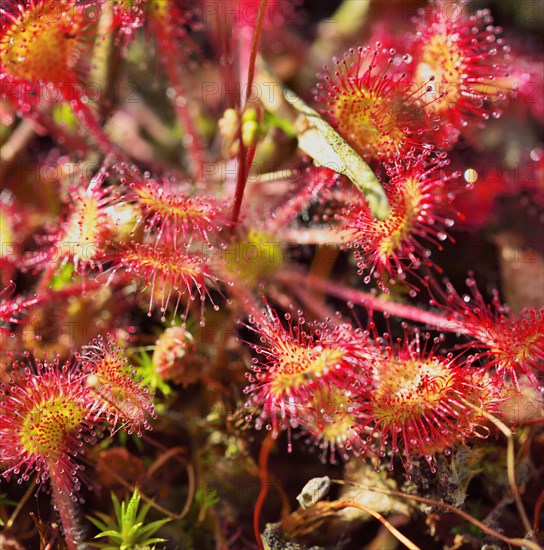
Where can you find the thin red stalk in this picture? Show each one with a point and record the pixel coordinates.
(90, 123)
(68, 514)
(311, 301)
(196, 148)
(538, 507)
(245, 158)
(264, 455)
(245, 38)
(240, 183)
(254, 48)
(389, 526)
(45, 281)
(380, 304)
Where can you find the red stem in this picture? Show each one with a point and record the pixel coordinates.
(47, 275)
(366, 299)
(68, 514)
(171, 66)
(264, 455)
(538, 507)
(88, 119)
(254, 48)
(245, 157)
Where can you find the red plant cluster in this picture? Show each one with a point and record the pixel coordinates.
(202, 231)
(359, 393)
(49, 410)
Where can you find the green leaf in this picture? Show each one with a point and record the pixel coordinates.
(112, 533)
(152, 527)
(149, 376)
(317, 138)
(272, 119)
(143, 512)
(96, 522)
(62, 278)
(127, 529)
(153, 541)
(64, 115)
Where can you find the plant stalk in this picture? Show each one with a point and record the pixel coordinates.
(264, 455)
(436, 322)
(68, 514)
(245, 156)
(181, 107)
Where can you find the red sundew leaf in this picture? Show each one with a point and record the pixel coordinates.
(465, 56)
(170, 356)
(175, 215)
(81, 238)
(119, 398)
(329, 421)
(419, 403)
(368, 106)
(41, 40)
(43, 421)
(511, 345)
(420, 195)
(168, 273)
(296, 361)
(44, 45)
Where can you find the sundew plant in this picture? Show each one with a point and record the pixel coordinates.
(272, 274)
